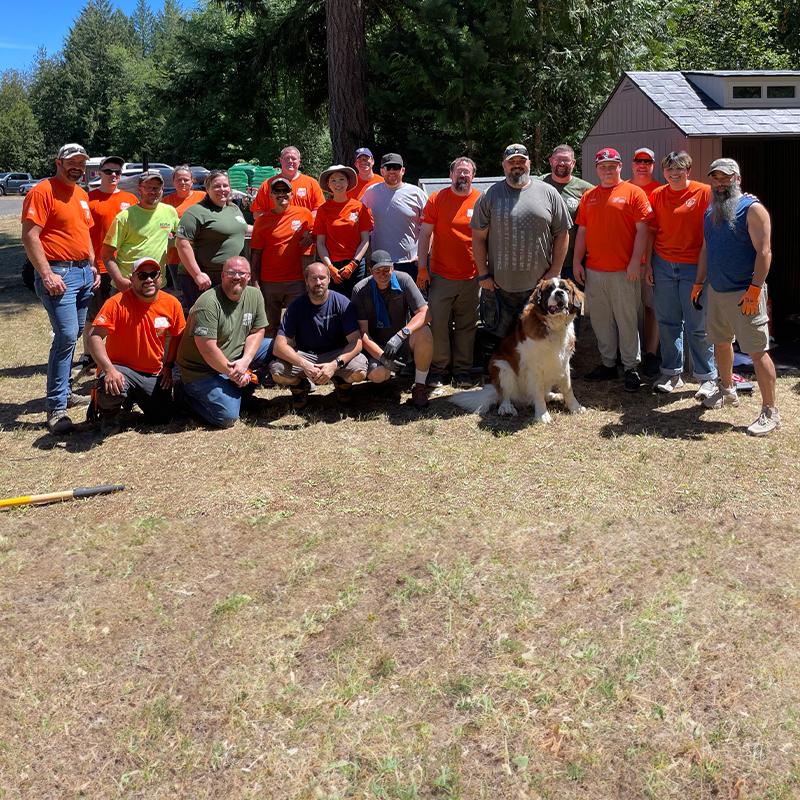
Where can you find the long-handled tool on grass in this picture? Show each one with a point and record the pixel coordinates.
(54, 497)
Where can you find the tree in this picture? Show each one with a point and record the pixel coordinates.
(21, 143)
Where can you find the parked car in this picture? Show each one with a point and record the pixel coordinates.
(11, 181)
(24, 188)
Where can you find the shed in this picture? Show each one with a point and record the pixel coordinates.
(752, 116)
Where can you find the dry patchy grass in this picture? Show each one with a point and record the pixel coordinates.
(395, 605)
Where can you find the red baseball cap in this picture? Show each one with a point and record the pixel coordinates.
(607, 154)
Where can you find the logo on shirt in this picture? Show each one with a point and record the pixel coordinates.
(354, 216)
(296, 224)
(691, 202)
(165, 226)
(469, 213)
(619, 200)
(161, 324)
(301, 192)
(247, 320)
(123, 206)
(200, 330)
(85, 207)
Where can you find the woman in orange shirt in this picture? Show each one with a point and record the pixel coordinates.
(183, 197)
(342, 230)
(677, 237)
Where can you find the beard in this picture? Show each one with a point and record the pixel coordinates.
(724, 203)
(461, 184)
(519, 179)
(562, 170)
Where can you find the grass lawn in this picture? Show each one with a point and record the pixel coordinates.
(391, 604)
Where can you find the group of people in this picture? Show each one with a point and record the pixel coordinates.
(380, 277)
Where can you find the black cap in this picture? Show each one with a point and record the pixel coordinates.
(392, 158)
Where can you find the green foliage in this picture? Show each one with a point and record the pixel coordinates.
(21, 143)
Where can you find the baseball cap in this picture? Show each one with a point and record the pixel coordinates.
(726, 165)
(392, 159)
(381, 258)
(112, 160)
(515, 150)
(644, 151)
(607, 154)
(284, 181)
(363, 151)
(145, 262)
(69, 150)
(151, 173)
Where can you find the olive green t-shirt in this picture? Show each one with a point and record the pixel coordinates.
(138, 232)
(571, 194)
(216, 316)
(216, 234)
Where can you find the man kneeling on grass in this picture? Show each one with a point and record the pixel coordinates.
(318, 341)
(127, 342)
(391, 312)
(225, 344)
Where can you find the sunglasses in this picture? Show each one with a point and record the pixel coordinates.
(111, 171)
(392, 167)
(643, 161)
(143, 276)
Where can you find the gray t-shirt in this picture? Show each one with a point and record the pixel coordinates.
(401, 305)
(522, 224)
(398, 215)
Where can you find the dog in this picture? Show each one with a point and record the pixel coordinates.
(534, 358)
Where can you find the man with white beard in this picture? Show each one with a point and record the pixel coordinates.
(732, 272)
(520, 234)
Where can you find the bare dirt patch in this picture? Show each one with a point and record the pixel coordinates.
(398, 605)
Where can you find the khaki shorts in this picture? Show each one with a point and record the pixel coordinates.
(724, 321)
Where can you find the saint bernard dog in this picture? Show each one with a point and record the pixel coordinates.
(533, 360)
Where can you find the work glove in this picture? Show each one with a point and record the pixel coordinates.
(697, 290)
(392, 364)
(347, 270)
(392, 347)
(749, 300)
(336, 276)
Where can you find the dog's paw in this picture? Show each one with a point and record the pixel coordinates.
(546, 418)
(577, 409)
(506, 409)
(553, 397)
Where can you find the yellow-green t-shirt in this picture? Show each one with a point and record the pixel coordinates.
(140, 232)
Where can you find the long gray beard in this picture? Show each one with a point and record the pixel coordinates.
(724, 209)
(519, 181)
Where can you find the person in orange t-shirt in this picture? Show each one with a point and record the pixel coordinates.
(306, 192)
(105, 202)
(342, 229)
(677, 238)
(279, 240)
(183, 198)
(644, 161)
(364, 162)
(128, 342)
(453, 293)
(55, 233)
(612, 234)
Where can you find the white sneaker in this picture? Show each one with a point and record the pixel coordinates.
(722, 397)
(668, 383)
(707, 388)
(768, 420)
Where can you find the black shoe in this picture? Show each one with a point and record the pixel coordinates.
(300, 394)
(602, 373)
(651, 365)
(437, 379)
(464, 380)
(632, 380)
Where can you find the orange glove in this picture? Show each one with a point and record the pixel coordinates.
(347, 270)
(749, 300)
(336, 276)
(697, 290)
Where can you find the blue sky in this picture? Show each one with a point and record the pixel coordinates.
(28, 24)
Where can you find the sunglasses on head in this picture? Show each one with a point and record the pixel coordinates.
(111, 171)
(143, 276)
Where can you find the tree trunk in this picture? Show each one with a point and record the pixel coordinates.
(347, 87)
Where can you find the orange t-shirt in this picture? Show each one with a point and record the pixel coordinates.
(678, 221)
(306, 193)
(451, 251)
(357, 192)
(278, 237)
(137, 330)
(342, 225)
(195, 196)
(104, 207)
(648, 188)
(610, 217)
(62, 211)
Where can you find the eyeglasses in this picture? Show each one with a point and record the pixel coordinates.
(643, 161)
(237, 275)
(111, 171)
(143, 276)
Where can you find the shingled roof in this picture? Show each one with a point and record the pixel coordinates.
(696, 114)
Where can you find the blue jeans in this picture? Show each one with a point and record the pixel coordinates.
(679, 320)
(217, 399)
(67, 313)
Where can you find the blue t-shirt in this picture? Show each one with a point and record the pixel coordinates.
(729, 251)
(319, 329)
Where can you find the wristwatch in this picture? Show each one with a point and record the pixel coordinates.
(406, 332)
(339, 362)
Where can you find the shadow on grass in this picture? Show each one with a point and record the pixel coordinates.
(25, 371)
(682, 423)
